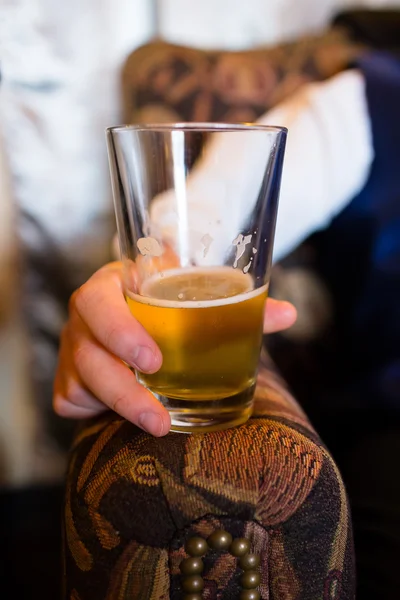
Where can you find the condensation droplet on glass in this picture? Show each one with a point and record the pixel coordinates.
(254, 250)
(240, 242)
(149, 247)
(247, 267)
(206, 240)
(180, 296)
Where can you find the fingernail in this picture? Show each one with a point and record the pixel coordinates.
(152, 423)
(144, 359)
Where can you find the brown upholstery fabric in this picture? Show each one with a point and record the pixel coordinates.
(132, 502)
(163, 82)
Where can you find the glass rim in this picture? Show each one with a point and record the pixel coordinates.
(197, 126)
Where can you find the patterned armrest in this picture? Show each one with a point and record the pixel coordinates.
(163, 82)
(133, 503)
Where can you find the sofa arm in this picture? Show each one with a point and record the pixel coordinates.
(133, 502)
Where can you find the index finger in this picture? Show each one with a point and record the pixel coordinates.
(100, 303)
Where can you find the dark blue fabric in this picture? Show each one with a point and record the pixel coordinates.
(360, 257)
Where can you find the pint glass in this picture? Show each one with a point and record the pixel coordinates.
(196, 206)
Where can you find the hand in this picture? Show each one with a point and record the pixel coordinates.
(100, 338)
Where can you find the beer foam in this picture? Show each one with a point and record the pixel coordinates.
(227, 272)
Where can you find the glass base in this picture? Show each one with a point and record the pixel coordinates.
(203, 416)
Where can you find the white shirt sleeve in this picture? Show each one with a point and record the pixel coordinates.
(328, 157)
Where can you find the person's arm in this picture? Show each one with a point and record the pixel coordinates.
(328, 156)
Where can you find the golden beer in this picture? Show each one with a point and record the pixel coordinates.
(208, 326)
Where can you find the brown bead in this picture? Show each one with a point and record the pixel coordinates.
(239, 547)
(220, 540)
(249, 595)
(193, 597)
(249, 562)
(250, 580)
(193, 584)
(196, 546)
(192, 566)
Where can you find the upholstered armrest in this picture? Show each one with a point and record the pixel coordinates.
(133, 502)
(163, 82)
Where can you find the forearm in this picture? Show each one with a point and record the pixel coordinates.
(328, 157)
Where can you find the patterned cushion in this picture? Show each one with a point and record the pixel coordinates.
(133, 501)
(163, 82)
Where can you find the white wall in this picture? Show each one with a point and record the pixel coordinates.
(238, 23)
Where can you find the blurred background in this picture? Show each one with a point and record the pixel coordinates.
(60, 66)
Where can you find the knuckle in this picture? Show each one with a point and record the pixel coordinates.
(82, 299)
(114, 267)
(119, 401)
(112, 337)
(81, 356)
